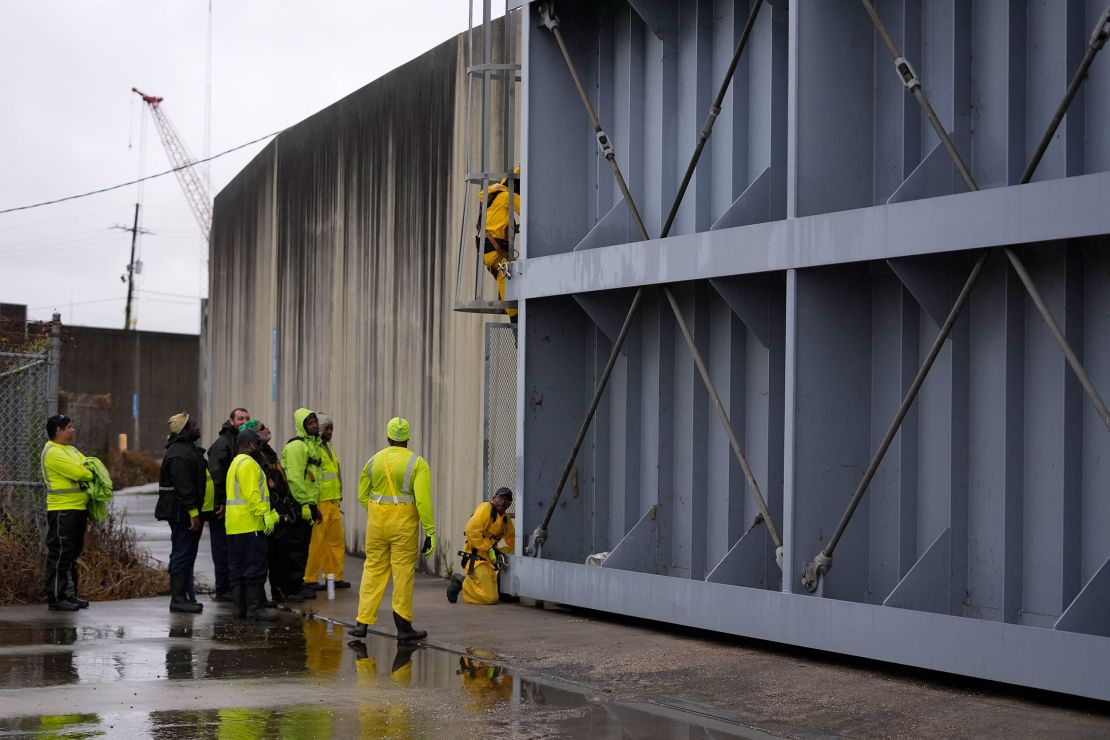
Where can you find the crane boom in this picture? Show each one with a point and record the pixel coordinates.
(182, 161)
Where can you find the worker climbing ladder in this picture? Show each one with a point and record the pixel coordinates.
(490, 156)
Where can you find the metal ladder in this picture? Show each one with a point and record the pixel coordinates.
(495, 160)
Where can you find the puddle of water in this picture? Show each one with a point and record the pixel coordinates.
(374, 687)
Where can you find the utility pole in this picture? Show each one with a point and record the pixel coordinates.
(130, 276)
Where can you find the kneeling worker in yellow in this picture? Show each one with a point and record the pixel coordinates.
(396, 489)
(248, 520)
(482, 558)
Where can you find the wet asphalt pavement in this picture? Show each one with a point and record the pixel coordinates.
(132, 669)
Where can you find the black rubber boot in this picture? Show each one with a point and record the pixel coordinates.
(307, 592)
(455, 587)
(405, 632)
(256, 597)
(81, 603)
(62, 606)
(342, 584)
(239, 598)
(224, 597)
(179, 601)
(358, 631)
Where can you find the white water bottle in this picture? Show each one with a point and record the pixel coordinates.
(331, 587)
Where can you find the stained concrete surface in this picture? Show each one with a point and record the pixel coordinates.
(132, 668)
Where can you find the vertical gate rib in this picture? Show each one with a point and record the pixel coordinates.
(822, 562)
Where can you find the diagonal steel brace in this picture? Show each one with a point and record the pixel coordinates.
(539, 536)
(822, 562)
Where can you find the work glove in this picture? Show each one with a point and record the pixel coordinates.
(429, 546)
(317, 517)
(306, 512)
(269, 521)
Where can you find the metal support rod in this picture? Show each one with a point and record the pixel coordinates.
(711, 119)
(822, 562)
(1097, 41)
(749, 476)
(539, 536)
(1058, 334)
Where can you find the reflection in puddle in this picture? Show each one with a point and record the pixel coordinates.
(325, 687)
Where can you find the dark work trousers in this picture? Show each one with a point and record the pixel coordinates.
(278, 556)
(183, 549)
(296, 545)
(65, 538)
(246, 558)
(218, 536)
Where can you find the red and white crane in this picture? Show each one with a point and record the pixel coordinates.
(196, 193)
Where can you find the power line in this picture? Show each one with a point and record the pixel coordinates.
(141, 179)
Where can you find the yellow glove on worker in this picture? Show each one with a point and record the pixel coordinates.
(269, 521)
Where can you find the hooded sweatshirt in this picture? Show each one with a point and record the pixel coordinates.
(220, 455)
(301, 459)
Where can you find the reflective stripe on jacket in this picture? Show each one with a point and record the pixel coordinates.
(331, 486)
(63, 468)
(397, 475)
(248, 497)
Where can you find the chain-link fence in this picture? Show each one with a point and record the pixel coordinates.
(500, 408)
(28, 396)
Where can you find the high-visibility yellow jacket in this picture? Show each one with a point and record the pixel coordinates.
(301, 459)
(331, 485)
(497, 210)
(397, 475)
(248, 497)
(209, 493)
(63, 469)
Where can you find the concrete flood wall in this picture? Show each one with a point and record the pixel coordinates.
(333, 265)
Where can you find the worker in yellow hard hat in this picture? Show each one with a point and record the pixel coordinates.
(495, 242)
(396, 488)
(482, 557)
(327, 551)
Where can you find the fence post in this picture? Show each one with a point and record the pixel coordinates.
(53, 363)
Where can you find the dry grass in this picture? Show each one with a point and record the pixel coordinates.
(132, 468)
(112, 566)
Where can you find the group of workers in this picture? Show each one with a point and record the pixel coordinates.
(268, 517)
(280, 518)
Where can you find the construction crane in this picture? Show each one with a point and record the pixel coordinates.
(196, 193)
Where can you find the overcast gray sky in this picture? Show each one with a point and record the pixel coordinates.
(69, 117)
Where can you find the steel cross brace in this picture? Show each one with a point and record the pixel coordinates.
(539, 536)
(822, 562)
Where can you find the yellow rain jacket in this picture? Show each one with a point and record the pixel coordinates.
(301, 459)
(497, 211)
(209, 492)
(248, 497)
(63, 470)
(331, 486)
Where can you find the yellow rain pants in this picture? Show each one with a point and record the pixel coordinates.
(327, 550)
(390, 549)
(491, 259)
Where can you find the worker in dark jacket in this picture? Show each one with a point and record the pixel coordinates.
(181, 484)
(220, 455)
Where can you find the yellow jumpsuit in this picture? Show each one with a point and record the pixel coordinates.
(497, 230)
(484, 530)
(328, 550)
(396, 488)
